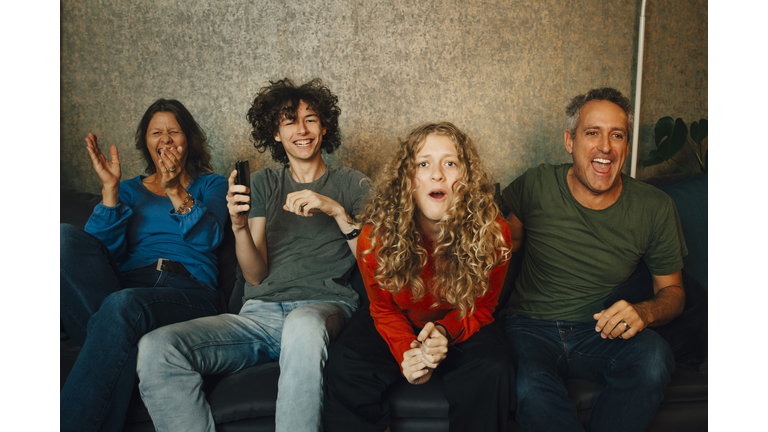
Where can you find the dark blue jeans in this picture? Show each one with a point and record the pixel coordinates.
(634, 371)
(107, 311)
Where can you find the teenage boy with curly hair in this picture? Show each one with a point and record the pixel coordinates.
(295, 244)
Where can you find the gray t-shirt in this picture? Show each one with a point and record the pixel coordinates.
(308, 257)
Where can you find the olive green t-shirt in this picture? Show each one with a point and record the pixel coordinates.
(575, 256)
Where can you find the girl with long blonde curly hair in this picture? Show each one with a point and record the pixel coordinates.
(433, 253)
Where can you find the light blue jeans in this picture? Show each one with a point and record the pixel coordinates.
(172, 359)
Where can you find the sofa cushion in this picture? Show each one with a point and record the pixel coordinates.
(425, 400)
(249, 393)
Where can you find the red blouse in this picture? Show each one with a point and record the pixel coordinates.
(398, 318)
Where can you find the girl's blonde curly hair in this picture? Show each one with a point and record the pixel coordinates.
(470, 241)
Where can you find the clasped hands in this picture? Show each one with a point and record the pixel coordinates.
(427, 351)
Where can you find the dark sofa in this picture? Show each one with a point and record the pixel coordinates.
(245, 401)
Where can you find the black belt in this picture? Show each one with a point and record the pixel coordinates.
(170, 266)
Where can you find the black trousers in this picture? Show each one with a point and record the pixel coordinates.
(477, 377)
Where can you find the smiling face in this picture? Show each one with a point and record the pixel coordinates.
(437, 168)
(164, 132)
(301, 137)
(599, 148)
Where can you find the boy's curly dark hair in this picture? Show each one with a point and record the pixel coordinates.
(281, 98)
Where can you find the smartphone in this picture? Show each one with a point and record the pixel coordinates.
(243, 175)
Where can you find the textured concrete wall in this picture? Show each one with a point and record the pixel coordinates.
(501, 70)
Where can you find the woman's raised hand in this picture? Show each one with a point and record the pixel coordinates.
(108, 170)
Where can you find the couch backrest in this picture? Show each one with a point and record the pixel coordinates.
(690, 197)
(228, 268)
(76, 206)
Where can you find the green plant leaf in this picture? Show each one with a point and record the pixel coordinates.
(699, 131)
(663, 129)
(677, 138)
(652, 159)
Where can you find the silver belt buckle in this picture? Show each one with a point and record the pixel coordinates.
(160, 264)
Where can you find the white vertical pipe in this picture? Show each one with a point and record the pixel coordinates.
(638, 90)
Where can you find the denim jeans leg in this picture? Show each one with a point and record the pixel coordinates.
(539, 358)
(172, 360)
(308, 329)
(98, 389)
(87, 275)
(634, 371)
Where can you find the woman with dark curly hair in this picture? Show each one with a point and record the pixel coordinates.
(433, 252)
(146, 259)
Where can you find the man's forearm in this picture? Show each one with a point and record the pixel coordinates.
(663, 307)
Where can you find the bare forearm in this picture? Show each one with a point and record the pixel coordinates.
(252, 262)
(177, 195)
(110, 196)
(663, 307)
(346, 226)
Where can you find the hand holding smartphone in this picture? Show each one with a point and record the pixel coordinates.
(243, 176)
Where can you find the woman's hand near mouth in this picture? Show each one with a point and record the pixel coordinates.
(172, 177)
(170, 169)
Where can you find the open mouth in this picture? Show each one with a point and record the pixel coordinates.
(303, 143)
(438, 195)
(602, 166)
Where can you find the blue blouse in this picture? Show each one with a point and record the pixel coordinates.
(144, 227)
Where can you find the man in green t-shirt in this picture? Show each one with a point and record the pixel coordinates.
(586, 227)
